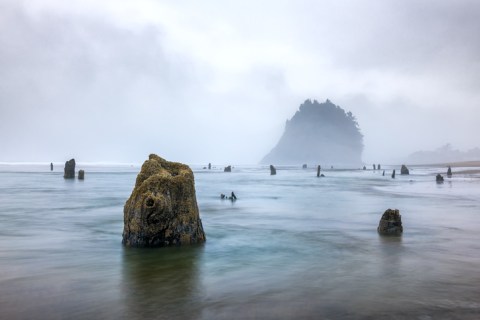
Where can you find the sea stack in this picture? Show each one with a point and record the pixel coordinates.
(304, 166)
(374, 168)
(379, 167)
(81, 174)
(393, 174)
(69, 171)
(273, 171)
(162, 209)
(209, 166)
(404, 170)
(449, 172)
(318, 133)
(318, 170)
(51, 166)
(390, 223)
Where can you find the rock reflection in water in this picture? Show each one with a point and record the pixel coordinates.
(161, 283)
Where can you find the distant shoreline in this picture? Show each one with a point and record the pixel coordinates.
(459, 164)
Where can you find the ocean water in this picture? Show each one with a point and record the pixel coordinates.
(293, 246)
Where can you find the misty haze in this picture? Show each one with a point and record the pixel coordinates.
(239, 160)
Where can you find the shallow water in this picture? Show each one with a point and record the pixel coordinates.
(292, 246)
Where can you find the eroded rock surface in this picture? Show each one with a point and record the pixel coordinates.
(162, 209)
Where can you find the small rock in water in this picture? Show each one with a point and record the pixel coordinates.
(227, 169)
(378, 167)
(209, 166)
(404, 170)
(390, 223)
(439, 178)
(273, 171)
(383, 174)
(393, 174)
(374, 167)
(449, 172)
(364, 168)
(304, 166)
(51, 166)
(81, 175)
(69, 171)
(318, 170)
(162, 209)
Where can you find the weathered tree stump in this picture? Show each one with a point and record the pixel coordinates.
(69, 171)
(390, 223)
(273, 171)
(162, 209)
(404, 170)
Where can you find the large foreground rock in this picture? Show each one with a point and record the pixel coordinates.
(162, 210)
(390, 223)
(69, 170)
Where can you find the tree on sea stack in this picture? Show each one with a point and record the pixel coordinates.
(162, 209)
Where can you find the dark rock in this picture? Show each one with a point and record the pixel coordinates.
(273, 171)
(404, 170)
(81, 175)
(318, 170)
(227, 169)
(390, 223)
(162, 209)
(69, 171)
(318, 133)
(51, 166)
(209, 166)
(449, 172)
(222, 196)
(378, 167)
(383, 174)
(233, 196)
(439, 178)
(322, 175)
(304, 166)
(374, 168)
(364, 168)
(393, 174)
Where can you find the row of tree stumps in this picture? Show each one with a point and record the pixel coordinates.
(69, 170)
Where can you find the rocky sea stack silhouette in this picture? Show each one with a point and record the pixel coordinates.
(162, 210)
(319, 133)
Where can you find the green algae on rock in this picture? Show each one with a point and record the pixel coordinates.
(162, 209)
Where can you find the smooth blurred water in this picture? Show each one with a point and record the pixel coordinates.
(293, 246)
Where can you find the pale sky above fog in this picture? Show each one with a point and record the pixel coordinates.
(214, 81)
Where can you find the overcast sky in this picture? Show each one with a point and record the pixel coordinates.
(214, 81)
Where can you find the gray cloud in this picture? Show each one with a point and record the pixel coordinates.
(200, 82)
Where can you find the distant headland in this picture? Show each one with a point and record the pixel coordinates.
(319, 133)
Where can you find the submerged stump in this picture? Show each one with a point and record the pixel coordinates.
(390, 223)
(162, 209)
